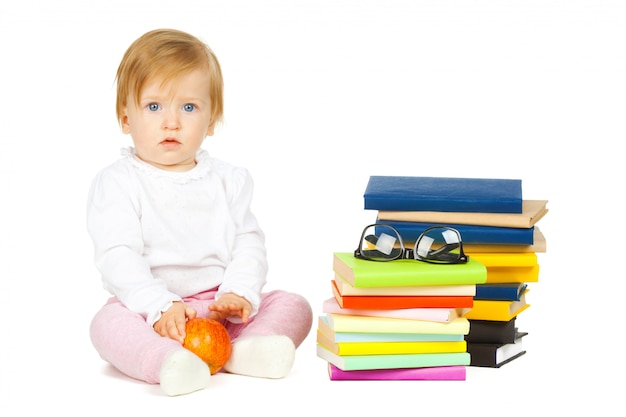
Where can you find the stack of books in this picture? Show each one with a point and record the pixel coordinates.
(498, 229)
(397, 320)
(494, 339)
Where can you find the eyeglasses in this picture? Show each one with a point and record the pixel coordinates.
(437, 245)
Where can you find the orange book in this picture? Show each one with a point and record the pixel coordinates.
(375, 302)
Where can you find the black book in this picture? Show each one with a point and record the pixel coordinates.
(494, 355)
(490, 331)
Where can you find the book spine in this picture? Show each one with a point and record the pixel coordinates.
(507, 275)
(406, 272)
(324, 327)
(504, 294)
(499, 292)
(471, 234)
(445, 194)
(428, 314)
(392, 348)
(345, 288)
(488, 331)
(382, 303)
(362, 324)
(486, 355)
(507, 260)
(417, 360)
(437, 373)
(477, 219)
(492, 312)
(405, 203)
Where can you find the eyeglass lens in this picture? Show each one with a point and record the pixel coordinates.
(381, 243)
(438, 244)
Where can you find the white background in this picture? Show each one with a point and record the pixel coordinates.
(319, 96)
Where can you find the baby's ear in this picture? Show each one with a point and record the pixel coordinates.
(211, 129)
(124, 122)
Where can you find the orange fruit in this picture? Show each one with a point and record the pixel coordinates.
(210, 340)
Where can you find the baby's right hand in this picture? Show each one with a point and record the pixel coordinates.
(173, 321)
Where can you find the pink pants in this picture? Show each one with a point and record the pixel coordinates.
(129, 343)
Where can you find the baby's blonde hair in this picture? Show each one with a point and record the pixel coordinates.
(167, 53)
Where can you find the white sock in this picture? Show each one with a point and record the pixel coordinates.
(183, 372)
(262, 356)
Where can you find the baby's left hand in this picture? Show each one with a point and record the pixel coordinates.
(230, 305)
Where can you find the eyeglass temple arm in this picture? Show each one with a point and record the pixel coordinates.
(446, 248)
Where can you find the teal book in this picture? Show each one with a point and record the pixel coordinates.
(447, 194)
(406, 272)
(393, 361)
(470, 233)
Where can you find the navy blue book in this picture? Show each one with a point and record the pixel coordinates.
(468, 195)
(470, 234)
(500, 291)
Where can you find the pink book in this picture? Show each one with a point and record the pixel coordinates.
(437, 373)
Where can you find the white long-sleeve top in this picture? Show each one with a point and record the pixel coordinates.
(159, 235)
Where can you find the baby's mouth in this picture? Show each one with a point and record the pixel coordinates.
(170, 141)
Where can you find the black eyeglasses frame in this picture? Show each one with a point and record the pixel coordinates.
(408, 253)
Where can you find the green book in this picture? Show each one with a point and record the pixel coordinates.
(406, 272)
(413, 360)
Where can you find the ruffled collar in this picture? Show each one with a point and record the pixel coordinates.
(203, 165)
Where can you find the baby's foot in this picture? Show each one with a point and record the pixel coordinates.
(262, 356)
(183, 372)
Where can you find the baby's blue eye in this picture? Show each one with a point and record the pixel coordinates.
(189, 107)
(153, 107)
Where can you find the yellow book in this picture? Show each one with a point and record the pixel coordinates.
(509, 267)
(496, 310)
(369, 324)
(513, 274)
(334, 336)
(492, 259)
(388, 348)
